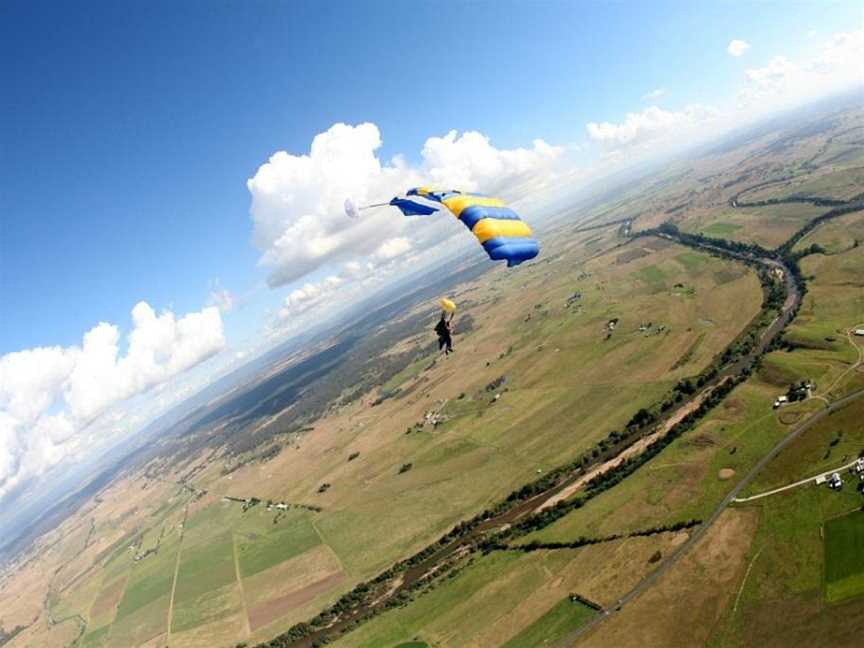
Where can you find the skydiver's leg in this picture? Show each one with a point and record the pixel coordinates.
(441, 342)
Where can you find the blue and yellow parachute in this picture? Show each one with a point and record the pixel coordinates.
(500, 231)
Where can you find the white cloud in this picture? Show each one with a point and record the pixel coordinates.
(48, 395)
(738, 47)
(309, 296)
(650, 124)
(783, 82)
(780, 83)
(654, 94)
(392, 248)
(297, 200)
(773, 78)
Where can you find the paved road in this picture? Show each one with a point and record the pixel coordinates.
(679, 553)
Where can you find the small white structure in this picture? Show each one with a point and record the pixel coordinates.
(859, 331)
(781, 400)
(821, 479)
(282, 506)
(835, 482)
(859, 466)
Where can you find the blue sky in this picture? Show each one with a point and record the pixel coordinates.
(129, 130)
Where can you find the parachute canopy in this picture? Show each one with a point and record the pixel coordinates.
(500, 231)
(351, 209)
(447, 305)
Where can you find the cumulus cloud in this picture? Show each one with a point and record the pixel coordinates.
(648, 125)
(309, 296)
(49, 395)
(783, 81)
(297, 200)
(654, 94)
(738, 47)
(392, 248)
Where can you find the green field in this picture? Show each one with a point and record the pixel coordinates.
(653, 277)
(721, 230)
(96, 638)
(485, 604)
(258, 552)
(844, 557)
(212, 605)
(141, 625)
(692, 261)
(768, 226)
(553, 626)
(205, 566)
(150, 580)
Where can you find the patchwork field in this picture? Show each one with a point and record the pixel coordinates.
(549, 360)
(252, 574)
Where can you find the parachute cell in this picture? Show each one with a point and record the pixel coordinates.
(447, 305)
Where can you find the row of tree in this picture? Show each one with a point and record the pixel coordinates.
(584, 541)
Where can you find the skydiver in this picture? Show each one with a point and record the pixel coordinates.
(444, 329)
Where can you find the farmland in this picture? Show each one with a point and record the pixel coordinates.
(541, 377)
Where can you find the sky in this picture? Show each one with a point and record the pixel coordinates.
(172, 174)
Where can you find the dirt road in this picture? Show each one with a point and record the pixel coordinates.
(801, 482)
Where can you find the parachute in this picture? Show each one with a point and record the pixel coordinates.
(446, 305)
(351, 209)
(503, 235)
